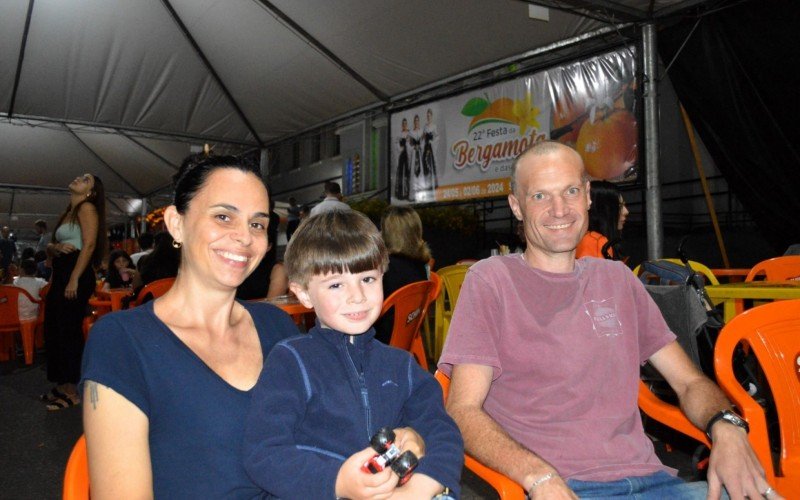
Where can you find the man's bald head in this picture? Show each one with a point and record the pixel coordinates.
(542, 148)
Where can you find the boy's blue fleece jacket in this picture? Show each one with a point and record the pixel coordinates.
(321, 397)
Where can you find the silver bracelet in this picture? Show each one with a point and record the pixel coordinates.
(538, 482)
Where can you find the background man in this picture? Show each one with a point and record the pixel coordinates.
(40, 226)
(332, 200)
(544, 353)
(8, 252)
(145, 241)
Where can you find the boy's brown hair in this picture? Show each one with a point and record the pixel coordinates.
(334, 242)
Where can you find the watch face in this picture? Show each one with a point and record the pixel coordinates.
(734, 419)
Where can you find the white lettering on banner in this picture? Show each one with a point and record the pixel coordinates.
(467, 154)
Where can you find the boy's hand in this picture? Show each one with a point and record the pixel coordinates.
(418, 487)
(352, 482)
(407, 439)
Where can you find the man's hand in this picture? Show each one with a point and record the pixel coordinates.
(352, 482)
(733, 464)
(407, 439)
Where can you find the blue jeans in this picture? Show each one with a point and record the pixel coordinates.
(655, 486)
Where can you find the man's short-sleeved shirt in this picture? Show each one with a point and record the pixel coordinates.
(565, 351)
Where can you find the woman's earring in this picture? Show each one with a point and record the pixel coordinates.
(176, 244)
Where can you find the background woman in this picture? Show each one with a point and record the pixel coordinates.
(607, 216)
(401, 229)
(79, 242)
(168, 383)
(121, 272)
(402, 180)
(429, 134)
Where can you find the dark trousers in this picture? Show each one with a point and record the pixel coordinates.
(63, 321)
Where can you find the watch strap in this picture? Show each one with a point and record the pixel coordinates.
(729, 417)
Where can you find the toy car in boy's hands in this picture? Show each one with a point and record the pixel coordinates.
(403, 464)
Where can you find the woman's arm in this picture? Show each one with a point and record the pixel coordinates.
(117, 442)
(278, 281)
(87, 217)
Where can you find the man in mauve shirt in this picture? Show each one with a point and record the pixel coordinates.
(544, 354)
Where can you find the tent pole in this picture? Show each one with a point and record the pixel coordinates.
(655, 230)
(703, 182)
(143, 223)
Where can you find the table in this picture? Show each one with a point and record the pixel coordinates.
(115, 296)
(293, 308)
(729, 293)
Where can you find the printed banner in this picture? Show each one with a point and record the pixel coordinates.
(462, 147)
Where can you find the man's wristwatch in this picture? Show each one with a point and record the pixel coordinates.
(729, 417)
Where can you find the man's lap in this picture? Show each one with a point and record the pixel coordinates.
(655, 486)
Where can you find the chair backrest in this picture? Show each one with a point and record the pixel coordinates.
(42, 302)
(453, 277)
(772, 333)
(467, 262)
(9, 306)
(505, 487)
(154, 289)
(76, 476)
(696, 266)
(436, 289)
(777, 269)
(410, 304)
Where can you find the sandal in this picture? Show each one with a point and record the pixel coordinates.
(62, 403)
(51, 396)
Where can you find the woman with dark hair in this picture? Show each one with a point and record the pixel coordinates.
(401, 229)
(607, 215)
(79, 243)
(162, 262)
(170, 381)
(121, 272)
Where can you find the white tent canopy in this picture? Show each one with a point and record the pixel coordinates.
(123, 88)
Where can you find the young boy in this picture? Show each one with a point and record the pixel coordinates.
(33, 285)
(323, 395)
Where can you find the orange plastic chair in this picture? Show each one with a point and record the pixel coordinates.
(410, 304)
(772, 333)
(427, 329)
(11, 323)
(776, 269)
(155, 289)
(505, 487)
(76, 476)
(452, 278)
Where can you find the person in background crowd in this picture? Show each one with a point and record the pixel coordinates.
(40, 226)
(162, 262)
(401, 229)
(79, 243)
(33, 285)
(607, 214)
(145, 241)
(44, 264)
(304, 212)
(544, 352)
(170, 381)
(292, 218)
(121, 272)
(332, 200)
(8, 253)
